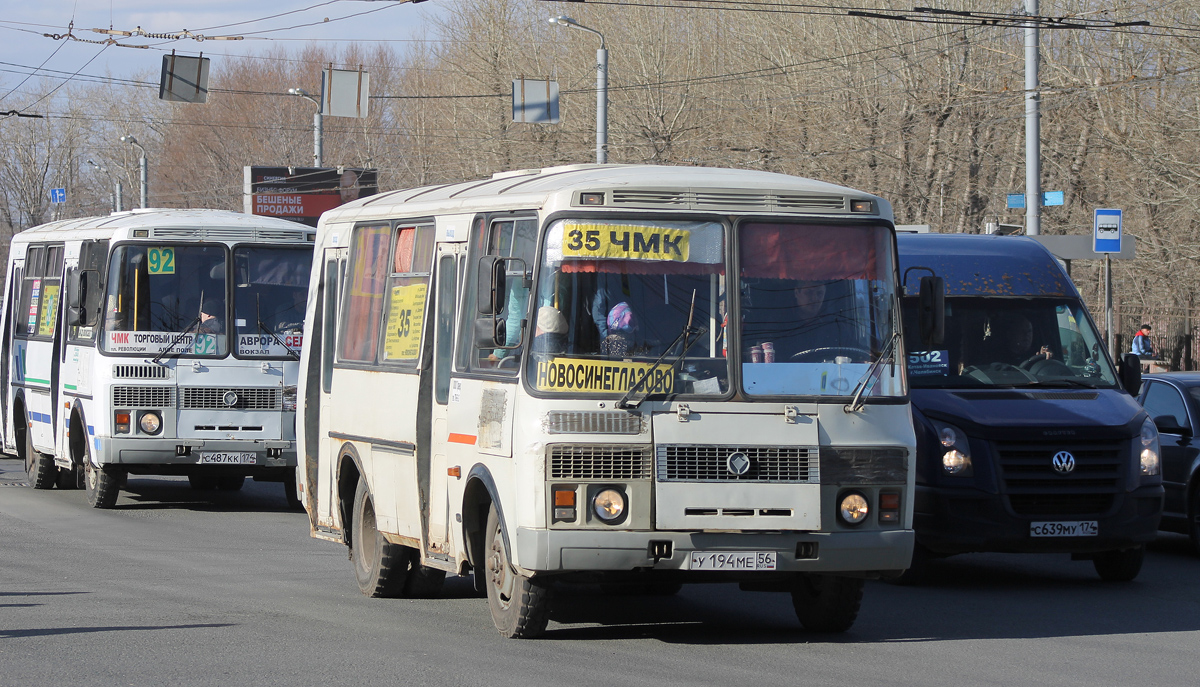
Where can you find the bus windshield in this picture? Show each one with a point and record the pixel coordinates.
(1009, 342)
(269, 294)
(166, 297)
(817, 310)
(614, 295)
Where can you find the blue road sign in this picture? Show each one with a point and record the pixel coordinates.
(1017, 200)
(58, 195)
(1106, 231)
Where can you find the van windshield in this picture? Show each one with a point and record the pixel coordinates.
(1008, 342)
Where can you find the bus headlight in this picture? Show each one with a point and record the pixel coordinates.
(853, 508)
(1148, 445)
(955, 449)
(150, 422)
(609, 505)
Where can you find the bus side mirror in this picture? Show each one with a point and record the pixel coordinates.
(490, 286)
(932, 311)
(490, 333)
(1129, 369)
(82, 288)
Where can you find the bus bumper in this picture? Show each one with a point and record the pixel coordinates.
(542, 550)
(270, 453)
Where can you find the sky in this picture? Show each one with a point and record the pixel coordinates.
(263, 26)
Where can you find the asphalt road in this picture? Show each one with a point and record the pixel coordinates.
(175, 587)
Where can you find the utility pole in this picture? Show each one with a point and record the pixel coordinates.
(1033, 149)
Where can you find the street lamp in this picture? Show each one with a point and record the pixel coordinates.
(601, 86)
(117, 190)
(127, 138)
(317, 124)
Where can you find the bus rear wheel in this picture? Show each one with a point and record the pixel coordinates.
(40, 468)
(380, 566)
(103, 485)
(825, 603)
(520, 605)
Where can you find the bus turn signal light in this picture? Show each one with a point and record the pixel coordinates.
(564, 504)
(889, 507)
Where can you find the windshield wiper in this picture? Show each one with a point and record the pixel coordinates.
(263, 327)
(1060, 383)
(856, 404)
(177, 339)
(688, 330)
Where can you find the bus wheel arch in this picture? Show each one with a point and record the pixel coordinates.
(20, 424)
(349, 472)
(478, 496)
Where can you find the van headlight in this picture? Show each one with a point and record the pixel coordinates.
(955, 449)
(1147, 444)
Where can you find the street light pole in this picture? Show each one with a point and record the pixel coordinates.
(601, 86)
(117, 190)
(143, 169)
(318, 124)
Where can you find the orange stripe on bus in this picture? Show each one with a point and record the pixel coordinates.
(461, 438)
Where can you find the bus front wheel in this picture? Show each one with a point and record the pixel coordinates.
(103, 485)
(380, 566)
(520, 605)
(825, 603)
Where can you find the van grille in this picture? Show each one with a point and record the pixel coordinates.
(1035, 488)
(777, 464)
(599, 462)
(213, 398)
(143, 396)
(141, 372)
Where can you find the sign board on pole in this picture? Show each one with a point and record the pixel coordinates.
(535, 101)
(58, 195)
(301, 194)
(345, 92)
(183, 79)
(1106, 231)
(1049, 198)
(1016, 200)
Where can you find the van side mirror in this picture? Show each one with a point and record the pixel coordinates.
(1129, 369)
(1168, 424)
(932, 319)
(490, 285)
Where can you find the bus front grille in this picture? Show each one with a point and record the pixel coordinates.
(772, 464)
(230, 398)
(141, 372)
(143, 396)
(599, 462)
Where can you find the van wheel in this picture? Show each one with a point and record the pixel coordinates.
(380, 566)
(520, 605)
(103, 485)
(231, 482)
(825, 603)
(40, 468)
(1119, 566)
(1193, 516)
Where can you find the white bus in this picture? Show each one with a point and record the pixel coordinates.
(626, 375)
(161, 342)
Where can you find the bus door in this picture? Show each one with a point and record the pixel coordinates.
(10, 369)
(433, 429)
(320, 477)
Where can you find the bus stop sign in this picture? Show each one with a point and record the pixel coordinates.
(1106, 232)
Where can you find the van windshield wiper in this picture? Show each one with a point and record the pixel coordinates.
(688, 330)
(176, 340)
(1066, 381)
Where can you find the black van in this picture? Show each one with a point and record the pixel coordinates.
(1028, 439)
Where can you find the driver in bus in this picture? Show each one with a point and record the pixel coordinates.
(811, 329)
(210, 312)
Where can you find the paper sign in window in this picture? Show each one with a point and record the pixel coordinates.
(405, 316)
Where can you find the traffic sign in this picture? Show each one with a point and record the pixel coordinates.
(58, 195)
(1017, 200)
(1106, 231)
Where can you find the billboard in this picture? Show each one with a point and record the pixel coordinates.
(301, 194)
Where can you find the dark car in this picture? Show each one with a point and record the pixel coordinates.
(1173, 401)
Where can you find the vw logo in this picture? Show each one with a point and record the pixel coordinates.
(1064, 462)
(738, 463)
(230, 398)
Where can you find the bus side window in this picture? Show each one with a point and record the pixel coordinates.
(31, 292)
(509, 238)
(446, 286)
(329, 322)
(408, 286)
(363, 310)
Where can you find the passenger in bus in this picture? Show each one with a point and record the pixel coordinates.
(550, 335)
(621, 325)
(210, 313)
